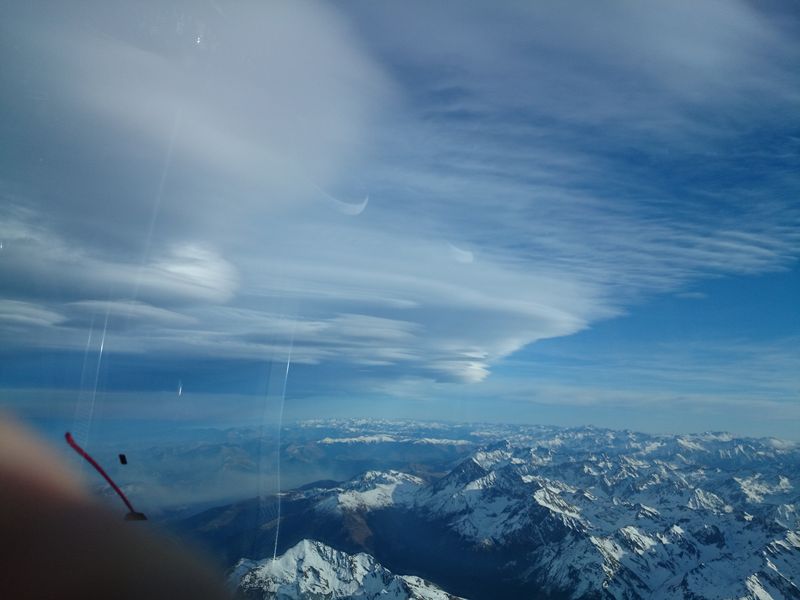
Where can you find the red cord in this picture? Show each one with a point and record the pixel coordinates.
(100, 470)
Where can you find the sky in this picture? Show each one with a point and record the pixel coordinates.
(563, 213)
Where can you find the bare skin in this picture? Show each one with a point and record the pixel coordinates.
(56, 542)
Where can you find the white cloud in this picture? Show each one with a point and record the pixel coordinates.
(37, 258)
(131, 312)
(15, 314)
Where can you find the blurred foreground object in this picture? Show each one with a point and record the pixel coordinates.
(133, 514)
(59, 543)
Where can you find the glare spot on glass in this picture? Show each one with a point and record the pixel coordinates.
(346, 208)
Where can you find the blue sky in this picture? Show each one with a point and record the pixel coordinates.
(558, 213)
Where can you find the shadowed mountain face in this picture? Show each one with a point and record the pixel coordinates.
(579, 513)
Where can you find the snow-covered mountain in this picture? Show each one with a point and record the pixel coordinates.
(620, 514)
(555, 513)
(311, 570)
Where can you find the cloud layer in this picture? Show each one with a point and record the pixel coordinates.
(195, 176)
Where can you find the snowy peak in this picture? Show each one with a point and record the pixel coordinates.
(373, 490)
(311, 569)
(468, 471)
(702, 500)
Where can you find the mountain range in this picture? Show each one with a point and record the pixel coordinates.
(551, 513)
